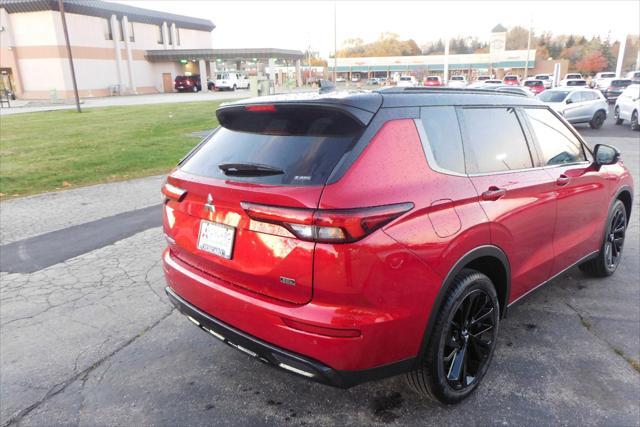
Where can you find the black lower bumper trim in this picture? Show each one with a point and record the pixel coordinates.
(280, 358)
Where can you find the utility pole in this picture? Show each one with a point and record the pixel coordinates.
(69, 55)
(446, 60)
(526, 64)
(335, 42)
(623, 44)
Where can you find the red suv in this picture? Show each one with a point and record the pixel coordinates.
(350, 237)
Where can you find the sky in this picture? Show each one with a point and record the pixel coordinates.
(300, 24)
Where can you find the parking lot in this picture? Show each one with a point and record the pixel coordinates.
(89, 338)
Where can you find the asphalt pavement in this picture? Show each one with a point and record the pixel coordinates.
(87, 336)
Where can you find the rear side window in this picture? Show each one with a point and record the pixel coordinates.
(301, 144)
(443, 137)
(557, 144)
(494, 141)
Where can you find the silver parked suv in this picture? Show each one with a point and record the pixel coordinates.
(577, 105)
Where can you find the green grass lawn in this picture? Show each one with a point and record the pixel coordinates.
(63, 149)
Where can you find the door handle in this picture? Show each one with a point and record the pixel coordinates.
(493, 193)
(563, 180)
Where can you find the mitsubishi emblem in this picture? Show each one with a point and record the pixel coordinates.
(209, 207)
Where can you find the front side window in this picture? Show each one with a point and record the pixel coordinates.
(557, 144)
(443, 137)
(494, 141)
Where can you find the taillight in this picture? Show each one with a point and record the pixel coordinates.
(327, 226)
(172, 192)
(261, 108)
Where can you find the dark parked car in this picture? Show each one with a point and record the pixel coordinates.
(616, 87)
(347, 237)
(188, 83)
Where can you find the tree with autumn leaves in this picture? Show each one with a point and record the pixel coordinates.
(584, 55)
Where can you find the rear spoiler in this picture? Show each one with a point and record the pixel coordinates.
(359, 114)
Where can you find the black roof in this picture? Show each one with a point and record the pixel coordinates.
(105, 9)
(397, 97)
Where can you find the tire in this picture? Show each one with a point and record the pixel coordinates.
(249, 86)
(634, 121)
(598, 120)
(234, 88)
(608, 258)
(435, 377)
(616, 115)
(195, 89)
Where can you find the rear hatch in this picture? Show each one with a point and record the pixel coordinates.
(268, 154)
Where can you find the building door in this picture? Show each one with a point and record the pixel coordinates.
(167, 82)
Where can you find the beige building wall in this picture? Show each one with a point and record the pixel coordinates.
(33, 47)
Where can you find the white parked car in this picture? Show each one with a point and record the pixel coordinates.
(577, 105)
(458, 81)
(633, 75)
(407, 81)
(231, 81)
(628, 106)
(602, 81)
(570, 76)
(340, 80)
(484, 83)
(547, 79)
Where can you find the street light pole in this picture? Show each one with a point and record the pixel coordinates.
(69, 55)
(526, 64)
(335, 41)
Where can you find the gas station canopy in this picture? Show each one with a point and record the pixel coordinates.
(165, 55)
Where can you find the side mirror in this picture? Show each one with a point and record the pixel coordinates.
(605, 155)
(568, 101)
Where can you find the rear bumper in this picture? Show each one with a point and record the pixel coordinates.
(280, 358)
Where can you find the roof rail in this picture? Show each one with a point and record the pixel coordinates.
(450, 90)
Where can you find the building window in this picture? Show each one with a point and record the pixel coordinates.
(121, 30)
(132, 35)
(160, 34)
(177, 36)
(106, 26)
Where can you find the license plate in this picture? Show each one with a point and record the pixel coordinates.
(216, 238)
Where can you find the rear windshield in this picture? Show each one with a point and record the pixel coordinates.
(222, 76)
(576, 83)
(405, 79)
(620, 83)
(553, 95)
(433, 79)
(484, 78)
(511, 78)
(542, 77)
(305, 144)
(574, 76)
(532, 83)
(607, 75)
(457, 78)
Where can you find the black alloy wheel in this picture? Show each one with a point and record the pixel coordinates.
(606, 262)
(615, 240)
(469, 339)
(462, 342)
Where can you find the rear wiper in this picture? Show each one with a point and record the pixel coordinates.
(249, 169)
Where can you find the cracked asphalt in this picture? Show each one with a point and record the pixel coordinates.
(94, 341)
